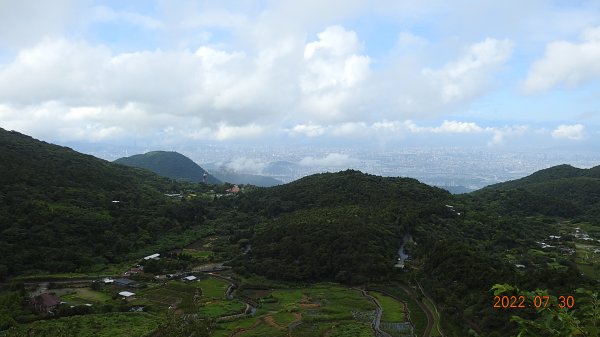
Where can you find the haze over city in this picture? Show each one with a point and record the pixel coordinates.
(487, 92)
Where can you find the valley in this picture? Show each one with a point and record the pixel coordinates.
(332, 254)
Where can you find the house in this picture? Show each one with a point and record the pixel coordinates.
(189, 278)
(234, 189)
(126, 294)
(567, 251)
(45, 303)
(124, 282)
(133, 271)
(152, 257)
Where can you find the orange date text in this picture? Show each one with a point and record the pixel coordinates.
(538, 302)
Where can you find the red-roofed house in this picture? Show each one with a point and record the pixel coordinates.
(45, 303)
(234, 189)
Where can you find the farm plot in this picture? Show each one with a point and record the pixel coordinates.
(174, 294)
(320, 310)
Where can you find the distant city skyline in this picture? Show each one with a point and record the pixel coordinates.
(469, 167)
(499, 75)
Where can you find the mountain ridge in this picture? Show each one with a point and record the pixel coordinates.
(169, 164)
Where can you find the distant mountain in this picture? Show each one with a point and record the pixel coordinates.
(169, 164)
(456, 189)
(242, 178)
(62, 211)
(281, 169)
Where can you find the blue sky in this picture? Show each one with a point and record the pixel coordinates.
(486, 73)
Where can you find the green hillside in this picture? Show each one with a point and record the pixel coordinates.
(63, 211)
(564, 188)
(170, 165)
(343, 226)
(548, 175)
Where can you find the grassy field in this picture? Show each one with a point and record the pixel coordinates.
(213, 288)
(203, 255)
(173, 293)
(320, 310)
(100, 325)
(225, 329)
(218, 308)
(393, 311)
(85, 295)
(417, 316)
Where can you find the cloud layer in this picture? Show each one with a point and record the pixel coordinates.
(238, 71)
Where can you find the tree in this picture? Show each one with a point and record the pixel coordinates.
(547, 319)
(185, 326)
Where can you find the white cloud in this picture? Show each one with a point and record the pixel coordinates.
(457, 127)
(25, 22)
(246, 165)
(350, 129)
(232, 132)
(332, 69)
(333, 41)
(309, 130)
(572, 132)
(263, 75)
(107, 14)
(500, 134)
(445, 127)
(330, 160)
(465, 78)
(566, 62)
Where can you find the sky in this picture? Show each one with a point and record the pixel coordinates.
(495, 74)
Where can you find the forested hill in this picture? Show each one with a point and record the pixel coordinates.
(169, 164)
(344, 226)
(549, 175)
(564, 187)
(344, 188)
(62, 211)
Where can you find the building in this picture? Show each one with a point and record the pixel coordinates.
(126, 294)
(234, 189)
(45, 303)
(124, 282)
(189, 278)
(152, 257)
(133, 271)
